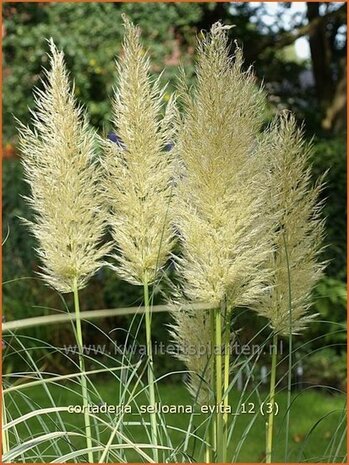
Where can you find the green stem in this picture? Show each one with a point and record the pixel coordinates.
(270, 422)
(289, 374)
(150, 369)
(289, 391)
(213, 386)
(219, 421)
(79, 340)
(5, 438)
(208, 457)
(226, 384)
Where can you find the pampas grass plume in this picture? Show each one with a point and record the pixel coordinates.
(58, 159)
(300, 228)
(138, 172)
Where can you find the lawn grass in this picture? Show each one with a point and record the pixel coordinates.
(314, 435)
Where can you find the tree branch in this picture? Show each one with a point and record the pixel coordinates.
(289, 38)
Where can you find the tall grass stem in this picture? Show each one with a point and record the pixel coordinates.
(226, 384)
(290, 348)
(208, 457)
(213, 386)
(270, 421)
(79, 339)
(150, 369)
(219, 369)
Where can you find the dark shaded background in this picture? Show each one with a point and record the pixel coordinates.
(90, 35)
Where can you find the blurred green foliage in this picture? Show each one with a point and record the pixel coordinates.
(329, 155)
(90, 35)
(328, 367)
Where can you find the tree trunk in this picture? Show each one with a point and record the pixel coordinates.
(320, 55)
(336, 113)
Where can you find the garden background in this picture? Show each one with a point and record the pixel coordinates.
(312, 85)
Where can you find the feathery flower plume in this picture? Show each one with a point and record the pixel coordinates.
(139, 171)
(299, 229)
(217, 205)
(58, 159)
(193, 332)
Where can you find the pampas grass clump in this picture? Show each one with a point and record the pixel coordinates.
(241, 203)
